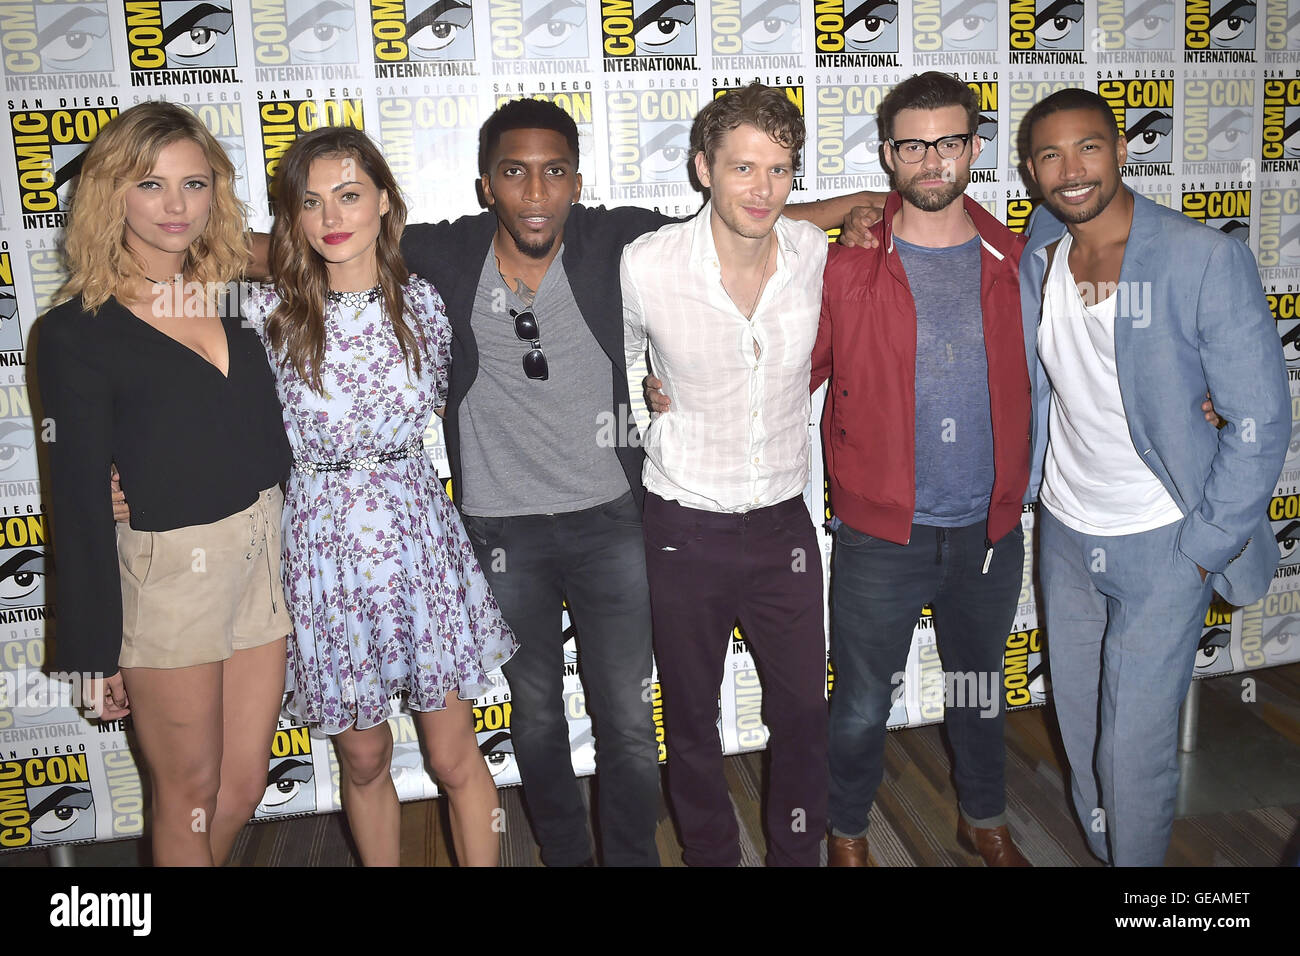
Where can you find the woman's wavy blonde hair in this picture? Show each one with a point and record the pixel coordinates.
(123, 154)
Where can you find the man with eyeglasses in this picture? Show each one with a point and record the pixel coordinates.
(926, 436)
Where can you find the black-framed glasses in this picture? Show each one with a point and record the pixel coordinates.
(534, 359)
(914, 150)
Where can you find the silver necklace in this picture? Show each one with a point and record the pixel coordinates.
(354, 300)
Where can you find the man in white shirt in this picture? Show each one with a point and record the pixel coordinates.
(728, 304)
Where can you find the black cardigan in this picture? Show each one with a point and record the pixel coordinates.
(451, 255)
(192, 447)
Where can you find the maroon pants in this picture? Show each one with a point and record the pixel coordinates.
(764, 568)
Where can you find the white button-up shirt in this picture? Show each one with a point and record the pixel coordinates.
(736, 438)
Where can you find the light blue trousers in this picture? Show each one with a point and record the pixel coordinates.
(1123, 616)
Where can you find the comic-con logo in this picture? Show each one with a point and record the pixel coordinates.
(46, 799)
(422, 38)
(1219, 31)
(22, 537)
(1227, 210)
(54, 38)
(1279, 229)
(282, 121)
(647, 34)
(793, 93)
(45, 270)
(290, 777)
(1282, 30)
(1217, 120)
(47, 149)
(984, 169)
(180, 41)
(1020, 96)
(1270, 626)
(649, 140)
(579, 105)
(1281, 149)
(1284, 510)
(855, 33)
(125, 794)
(1144, 111)
(11, 331)
(1135, 25)
(1019, 209)
(523, 30)
(1046, 31)
(419, 133)
(1284, 307)
(848, 139)
(954, 25)
(1024, 671)
(1212, 656)
(301, 32)
(225, 122)
(755, 28)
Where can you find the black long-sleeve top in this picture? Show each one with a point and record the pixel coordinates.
(192, 447)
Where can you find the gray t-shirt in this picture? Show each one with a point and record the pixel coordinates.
(531, 446)
(954, 425)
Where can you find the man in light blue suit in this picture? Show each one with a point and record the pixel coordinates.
(1135, 312)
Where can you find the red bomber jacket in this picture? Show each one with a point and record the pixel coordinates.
(866, 346)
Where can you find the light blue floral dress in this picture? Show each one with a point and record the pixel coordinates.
(385, 592)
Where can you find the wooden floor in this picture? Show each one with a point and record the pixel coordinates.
(914, 820)
(1241, 795)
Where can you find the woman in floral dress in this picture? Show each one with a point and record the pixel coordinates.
(385, 592)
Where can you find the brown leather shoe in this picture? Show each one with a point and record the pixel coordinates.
(994, 844)
(846, 851)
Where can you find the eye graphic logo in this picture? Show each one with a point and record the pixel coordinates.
(1046, 25)
(1281, 28)
(954, 25)
(289, 779)
(855, 34)
(283, 120)
(755, 27)
(1225, 210)
(1284, 511)
(1279, 233)
(11, 332)
(649, 140)
(1135, 24)
(1281, 151)
(303, 32)
(54, 37)
(538, 29)
(848, 140)
(1218, 117)
(47, 147)
(419, 133)
(179, 35)
(986, 128)
(46, 800)
(1144, 110)
(1219, 25)
(421, 33)
(637, 29)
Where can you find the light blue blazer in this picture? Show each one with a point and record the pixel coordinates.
(1190, 317)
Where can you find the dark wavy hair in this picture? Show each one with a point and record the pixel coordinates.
(296, 329)
(927, 91)
(766, 107)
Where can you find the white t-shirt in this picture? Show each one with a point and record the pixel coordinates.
(1094, 480)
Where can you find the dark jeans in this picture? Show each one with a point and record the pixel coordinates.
(593, 559)
(877, 591)
(764, 567)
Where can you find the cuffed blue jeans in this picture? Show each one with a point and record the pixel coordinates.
(596, 560)
(877, 591)
(1123, 614)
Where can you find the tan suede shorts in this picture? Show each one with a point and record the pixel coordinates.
(198, 594)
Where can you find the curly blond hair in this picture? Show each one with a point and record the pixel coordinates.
(123, 153)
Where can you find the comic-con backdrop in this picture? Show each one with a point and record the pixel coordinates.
(1207, 91)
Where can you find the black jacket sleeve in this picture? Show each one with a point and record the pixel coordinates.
(78, 402)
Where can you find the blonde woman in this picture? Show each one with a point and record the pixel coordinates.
(180, 614)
